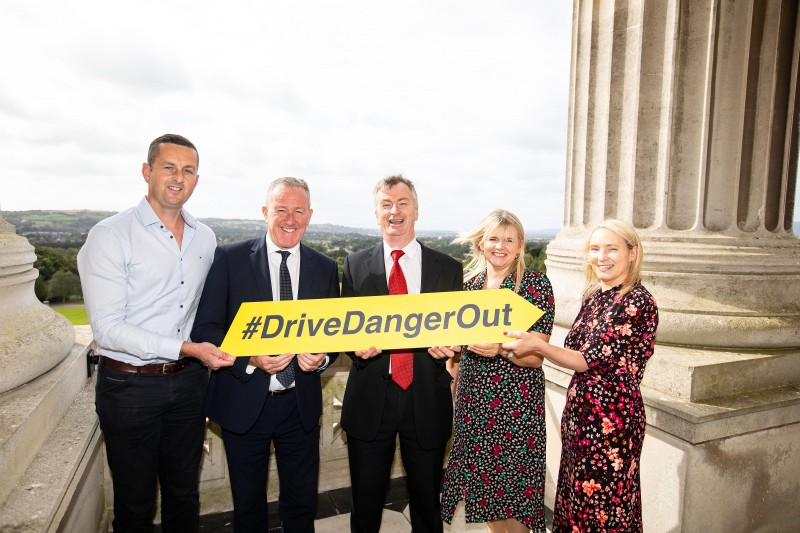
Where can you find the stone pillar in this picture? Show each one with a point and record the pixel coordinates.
(683, 120)
(51, 459)
(33, 338)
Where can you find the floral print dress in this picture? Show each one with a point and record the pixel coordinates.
(602, 428)
(497, 458)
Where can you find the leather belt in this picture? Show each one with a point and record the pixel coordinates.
(166, 368)
(279, 392)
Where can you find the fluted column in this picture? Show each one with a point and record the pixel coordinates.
(683, 120)
(33, 338)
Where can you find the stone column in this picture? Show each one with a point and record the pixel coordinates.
(683, 120)
(33, 338)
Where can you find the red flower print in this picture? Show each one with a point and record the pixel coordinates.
(590, 486)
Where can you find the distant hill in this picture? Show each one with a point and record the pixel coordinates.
(68, 229)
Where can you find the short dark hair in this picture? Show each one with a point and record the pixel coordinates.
(169, 138)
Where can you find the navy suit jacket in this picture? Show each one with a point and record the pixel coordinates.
(365, 275)
(240, 273)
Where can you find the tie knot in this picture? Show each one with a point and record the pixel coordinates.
(284, 255)
(397, 254)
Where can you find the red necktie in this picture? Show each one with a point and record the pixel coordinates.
(402, 362)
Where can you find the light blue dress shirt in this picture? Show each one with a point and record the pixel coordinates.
(141, 290)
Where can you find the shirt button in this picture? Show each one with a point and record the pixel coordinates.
(181, 306)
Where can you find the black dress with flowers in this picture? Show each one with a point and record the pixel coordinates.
(602, 428)
(497, 459)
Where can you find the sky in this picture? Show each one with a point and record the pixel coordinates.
(466, 98)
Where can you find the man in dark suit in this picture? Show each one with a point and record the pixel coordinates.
(277, 398)
(405, 393)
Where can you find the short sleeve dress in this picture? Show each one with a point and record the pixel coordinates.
(497, 458)
(603, 425)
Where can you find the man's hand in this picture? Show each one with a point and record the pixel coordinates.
(272, 364)
(310, 362)
(368, 353)
(443, 352)
(208, 354)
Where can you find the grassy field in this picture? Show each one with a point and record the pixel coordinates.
(76, 315)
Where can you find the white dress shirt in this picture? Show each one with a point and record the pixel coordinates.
(141, 290)
(274, 262)
(410, 262)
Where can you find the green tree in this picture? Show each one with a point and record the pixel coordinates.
(535, 255)
(40, 288)
(51, 260)
(63, 285)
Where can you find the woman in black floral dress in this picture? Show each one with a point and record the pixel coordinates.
(497, 458)
(603, 425)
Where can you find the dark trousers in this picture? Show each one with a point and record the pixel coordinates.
(153, 426)
(371, 463)
(297, 456)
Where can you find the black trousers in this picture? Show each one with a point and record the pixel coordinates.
(153, 426)
(371, 463)
(297, 457)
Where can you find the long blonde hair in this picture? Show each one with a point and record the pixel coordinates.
(499, 218)
(632, 240)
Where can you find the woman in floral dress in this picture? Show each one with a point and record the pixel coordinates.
(603, 425)
(497, 458)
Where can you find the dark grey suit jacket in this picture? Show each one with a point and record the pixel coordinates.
(365, 275)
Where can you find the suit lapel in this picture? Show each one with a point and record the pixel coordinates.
(430, 271)
(304, 284)
(258, 259)
(376, 270)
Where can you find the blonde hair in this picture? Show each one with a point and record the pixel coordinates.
(632, 240)
(499, 218)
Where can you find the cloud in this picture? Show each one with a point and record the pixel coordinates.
(467, 99)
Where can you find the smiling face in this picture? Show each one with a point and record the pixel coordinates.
(287, 214)
(396, 214)
(501, 247)
(172, 177)
(610, 257)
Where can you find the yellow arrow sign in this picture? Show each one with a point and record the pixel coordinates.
(386, 322)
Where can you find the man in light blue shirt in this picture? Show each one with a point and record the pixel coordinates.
(142, 271)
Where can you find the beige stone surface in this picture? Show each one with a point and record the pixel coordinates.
(30, 413)
(682, 121)
(33, 338)
(52, 459)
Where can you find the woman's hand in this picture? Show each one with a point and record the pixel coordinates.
(486, 350)
(533, 344)
(526, 343)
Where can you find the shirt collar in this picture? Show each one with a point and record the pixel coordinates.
(413, 250)
(272, 247)
(149, 217)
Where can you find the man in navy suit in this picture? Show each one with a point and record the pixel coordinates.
(384, 399)
(267, 398)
